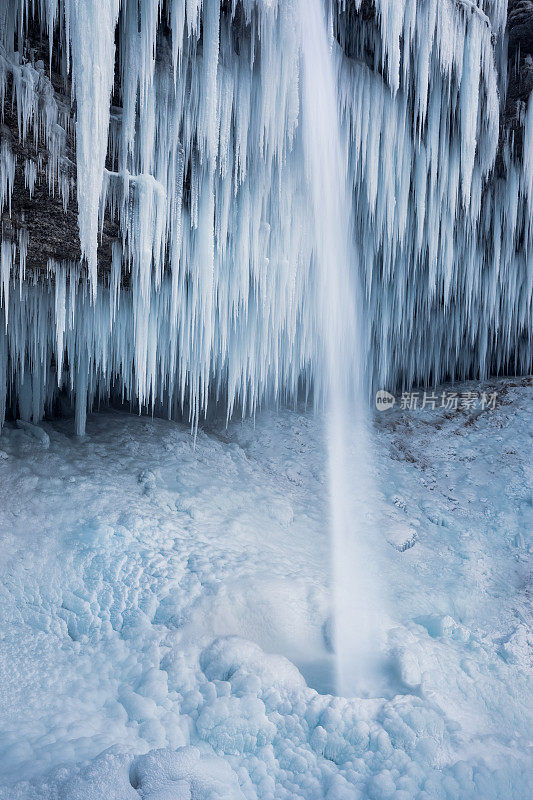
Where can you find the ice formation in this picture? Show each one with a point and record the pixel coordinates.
(190, 137)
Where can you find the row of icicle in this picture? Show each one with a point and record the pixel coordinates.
(200, 160)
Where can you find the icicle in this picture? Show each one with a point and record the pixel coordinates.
(7, 254)
(60, 317)
(528, 154)
(92, 36)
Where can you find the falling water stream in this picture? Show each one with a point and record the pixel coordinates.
(341, 382)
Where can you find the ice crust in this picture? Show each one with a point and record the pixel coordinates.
(162, 604)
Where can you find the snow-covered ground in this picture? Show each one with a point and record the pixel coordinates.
(153, 591)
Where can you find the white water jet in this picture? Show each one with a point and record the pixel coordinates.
(341, 381)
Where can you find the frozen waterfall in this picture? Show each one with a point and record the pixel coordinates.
(304, 196)
(210, 294)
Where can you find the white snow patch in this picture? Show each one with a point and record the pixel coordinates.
(151, 651)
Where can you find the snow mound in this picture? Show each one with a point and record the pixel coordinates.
(184, 774)
(233, 659)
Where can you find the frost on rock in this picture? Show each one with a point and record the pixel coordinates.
(35, 431)
(189, 137)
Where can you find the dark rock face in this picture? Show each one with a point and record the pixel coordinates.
(358, 34)
(520, 26)
(53, 231)
(520, 65)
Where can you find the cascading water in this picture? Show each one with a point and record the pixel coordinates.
(340, 374)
